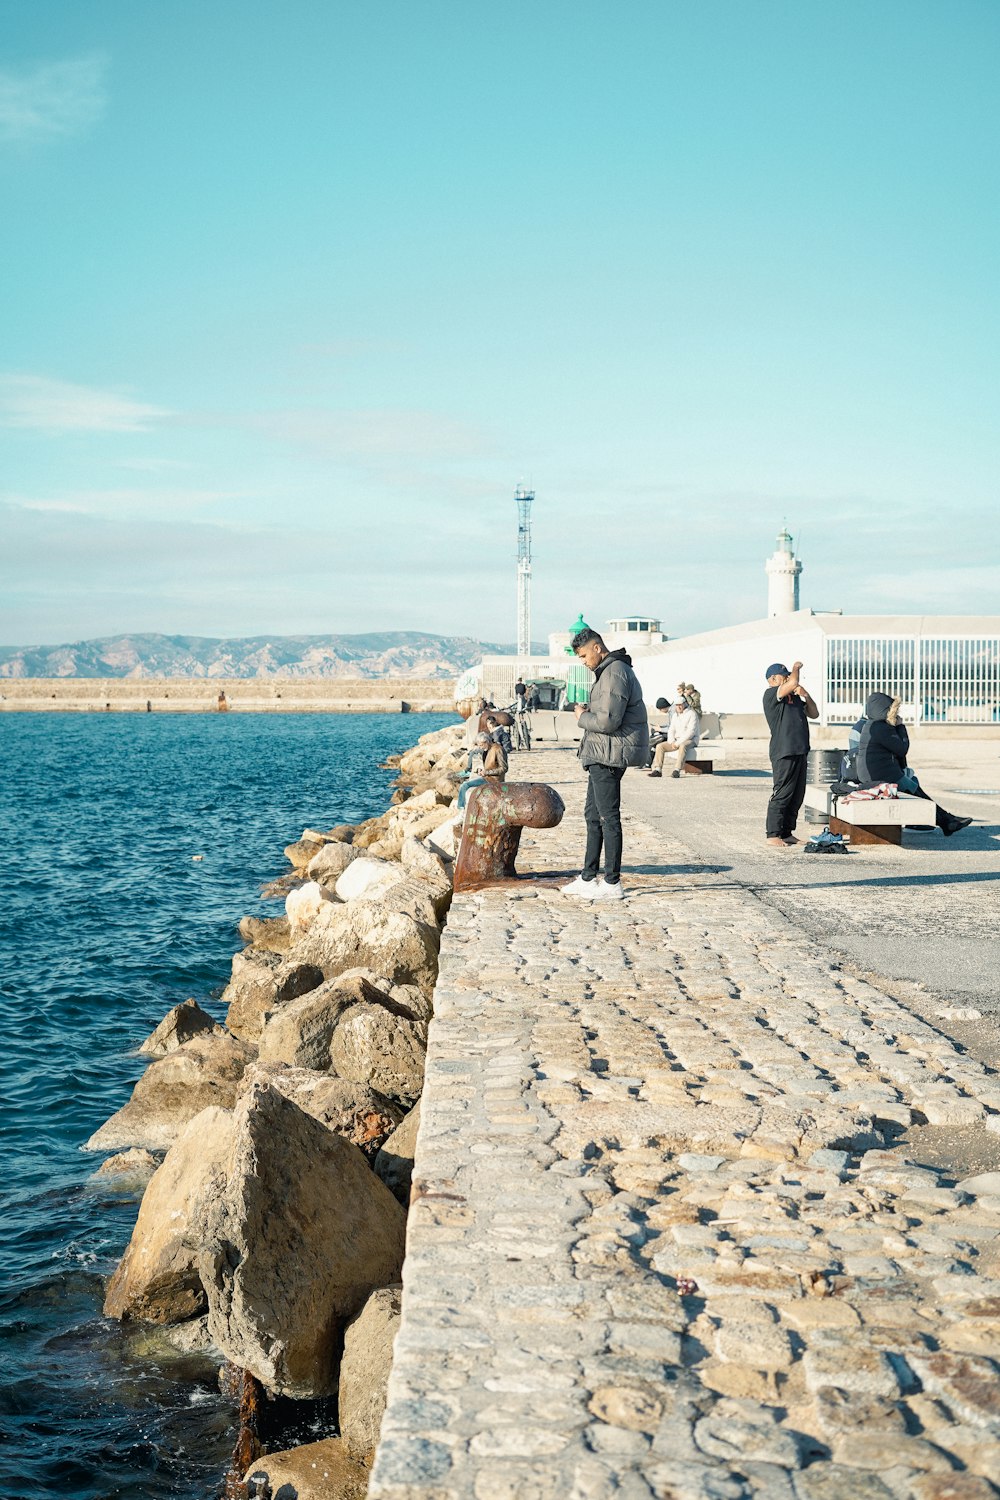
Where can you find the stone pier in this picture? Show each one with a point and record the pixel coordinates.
(673, 1234)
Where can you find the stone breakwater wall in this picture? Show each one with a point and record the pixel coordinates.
(274, 1151)
(664, 1243)
(241, 695)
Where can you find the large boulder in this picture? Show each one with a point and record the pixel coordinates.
(178, 1026)
(364, 934)
(331, 862)
(314, 1471)
(394, 1162)
(157, 1278)
(205, 1071)
(367, 877)
(260, 983)
(304, 849)
(300, 1032)
(301, 1234)
(271, 933)
(358, 1113)
(418, 858)
(302, 904)
(386, 1052)
(364, 1371)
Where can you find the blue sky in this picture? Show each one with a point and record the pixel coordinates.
(293, 296)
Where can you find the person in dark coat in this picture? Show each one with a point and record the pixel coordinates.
(615, 724)
(788, 707)
(882, 753)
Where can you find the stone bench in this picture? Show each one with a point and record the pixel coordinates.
(700, 759)
(878, 822)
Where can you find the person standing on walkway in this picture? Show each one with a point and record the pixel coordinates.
(615, 726)
(787, 707)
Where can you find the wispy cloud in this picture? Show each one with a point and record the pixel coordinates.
(52, 99)
(34, 401)
(163, 502)
(375, 435)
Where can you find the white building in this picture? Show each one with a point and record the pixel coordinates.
(945, 668)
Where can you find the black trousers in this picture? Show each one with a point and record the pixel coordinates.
(787, 795)
(602, 813)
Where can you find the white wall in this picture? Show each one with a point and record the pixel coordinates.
(728, 671)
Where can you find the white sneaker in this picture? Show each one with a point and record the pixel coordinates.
(606, 892)
(586, 890)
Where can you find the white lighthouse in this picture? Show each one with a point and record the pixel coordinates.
(783, 569)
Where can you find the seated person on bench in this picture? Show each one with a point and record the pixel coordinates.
(882, 756)
(683, 731)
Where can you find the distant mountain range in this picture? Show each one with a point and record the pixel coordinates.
(389, 653)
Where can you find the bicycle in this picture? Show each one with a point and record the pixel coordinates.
(520, 732)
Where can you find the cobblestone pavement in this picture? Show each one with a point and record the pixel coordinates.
(658, 1246)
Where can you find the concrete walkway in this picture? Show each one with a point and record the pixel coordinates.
(657, 1247)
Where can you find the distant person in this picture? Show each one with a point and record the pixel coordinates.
(534, 698)
(662, 731)
(683, 732)
(787, 707)
(520, 695)
(881, 757)
(692, 697)
(615, 726)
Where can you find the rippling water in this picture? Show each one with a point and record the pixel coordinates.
(109, 920)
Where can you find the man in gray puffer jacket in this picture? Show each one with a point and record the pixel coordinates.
(615, 728)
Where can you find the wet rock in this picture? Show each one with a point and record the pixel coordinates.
(129, 1169)
(157, 1279)
(364, 1371)
(386, 1052)
(359, 1114)
(394, 1162)
(260, 983)
(205, 1071)
(295, 1243)
(366, 935)
(315, 1471)
(178, 1026)
(271, 933)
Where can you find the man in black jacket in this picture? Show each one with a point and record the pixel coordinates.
(615, 726)
(882, 754)
(787, 708)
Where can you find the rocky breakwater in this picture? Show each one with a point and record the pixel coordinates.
(271, 1231)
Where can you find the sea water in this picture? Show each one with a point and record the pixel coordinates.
(131, 845)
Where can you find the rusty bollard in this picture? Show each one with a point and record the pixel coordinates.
(492, 831)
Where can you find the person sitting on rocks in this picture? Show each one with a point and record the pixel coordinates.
(499, 733)
(494, 761)
(882, 753)
(683, 732)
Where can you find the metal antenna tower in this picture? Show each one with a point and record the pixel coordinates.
(523, 499)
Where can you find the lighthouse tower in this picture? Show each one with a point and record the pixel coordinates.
(783, 569)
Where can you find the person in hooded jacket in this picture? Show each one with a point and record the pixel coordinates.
(882, 752)
(615, 725)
